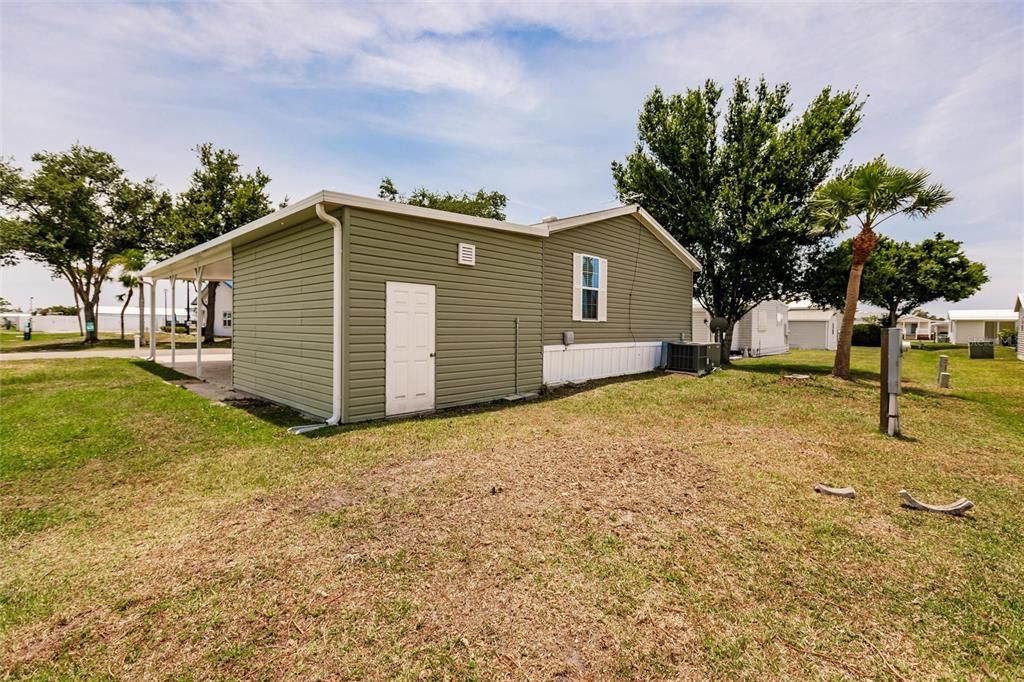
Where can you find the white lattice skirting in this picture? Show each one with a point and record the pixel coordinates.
(584, 361)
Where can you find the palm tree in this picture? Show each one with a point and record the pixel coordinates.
(870, 194)
(131, 261)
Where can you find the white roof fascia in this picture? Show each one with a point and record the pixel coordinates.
(201, 254)
(982, 315)
(643, 216)
(220, 247)
(356, 201)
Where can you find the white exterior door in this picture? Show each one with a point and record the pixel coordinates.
(409, 360)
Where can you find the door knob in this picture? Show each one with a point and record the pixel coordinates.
(433, 355)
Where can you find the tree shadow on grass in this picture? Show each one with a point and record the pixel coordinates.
(780, 368)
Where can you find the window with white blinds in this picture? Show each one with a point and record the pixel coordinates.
(589, 288)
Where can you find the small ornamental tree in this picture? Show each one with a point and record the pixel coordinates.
(865, 197)
(76, 213)
(899, 277)
(733, 187)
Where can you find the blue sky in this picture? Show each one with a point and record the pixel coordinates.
(534, 100)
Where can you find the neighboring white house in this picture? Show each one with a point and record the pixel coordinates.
(108, 320)
(1018, 307)
(762, 331)
(14, 320)
(811, 326)
(222, 316)
(917, 328)
(968, 325)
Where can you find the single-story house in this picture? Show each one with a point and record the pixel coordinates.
(1018, 307)
(813, 326)
(916, 327)
(350, 308)
(14, 320)
(967, 325)
(762, 331)
(108, 320)
(222, 321)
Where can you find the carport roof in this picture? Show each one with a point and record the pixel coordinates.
(215, 255)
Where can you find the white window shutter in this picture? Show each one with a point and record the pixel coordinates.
(577, 287)
(602, 293)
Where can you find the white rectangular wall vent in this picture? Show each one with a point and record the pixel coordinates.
(467, 254)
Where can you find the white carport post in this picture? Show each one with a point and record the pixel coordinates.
(199, 322)
(174, 317)
(152, 319)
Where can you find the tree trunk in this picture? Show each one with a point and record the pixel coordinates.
(893, 318)
(89, 310)
(725, 344)
(78, 315)
(127, 300)
(863, 245)
(142, 312)
(211, 310)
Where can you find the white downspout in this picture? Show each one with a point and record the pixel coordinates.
(336, 313)
(174, 318)
(199, 322)
(152, 319)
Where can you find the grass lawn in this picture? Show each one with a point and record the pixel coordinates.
(660, 527)
(14, 341)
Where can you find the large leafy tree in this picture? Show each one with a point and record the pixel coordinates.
(481, 203)
(864, 197)
(219, 199)
(734, 188)
(76, 213)
(899, 277)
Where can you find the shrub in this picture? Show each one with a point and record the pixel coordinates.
(180, 329)
(58, 310)
(867, 335)
(1008, 337)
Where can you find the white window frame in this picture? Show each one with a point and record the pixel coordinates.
(226, 318)
(577, 288)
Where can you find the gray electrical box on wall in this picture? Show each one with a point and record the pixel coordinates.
(568, 338)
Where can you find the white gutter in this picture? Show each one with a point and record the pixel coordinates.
(336, 313)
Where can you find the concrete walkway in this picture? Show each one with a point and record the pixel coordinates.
(215, 384)
(183, 356)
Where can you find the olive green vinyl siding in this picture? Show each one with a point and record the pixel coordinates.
(283, 286)
(650, 290)
(476, 307)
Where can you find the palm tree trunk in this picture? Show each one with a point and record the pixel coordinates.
(127, 300)
(863, 245)
(841, 366)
